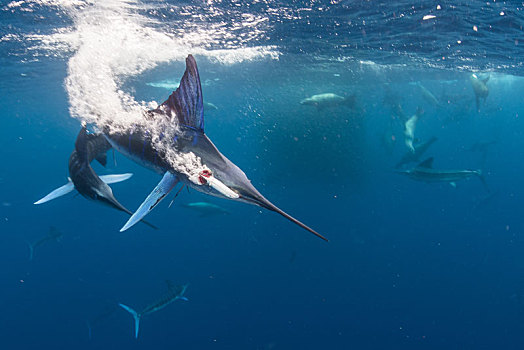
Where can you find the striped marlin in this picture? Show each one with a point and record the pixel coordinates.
(425, 172)
(173, 293)
(184, 154)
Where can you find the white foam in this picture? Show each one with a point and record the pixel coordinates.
(113, 40)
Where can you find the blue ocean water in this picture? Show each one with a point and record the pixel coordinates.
(409, 265)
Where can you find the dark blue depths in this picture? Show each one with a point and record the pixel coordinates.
(409, 265)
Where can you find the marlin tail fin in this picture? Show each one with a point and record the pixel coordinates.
(135, 316)
(59, 192)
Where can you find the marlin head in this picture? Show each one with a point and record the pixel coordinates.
(232, 177)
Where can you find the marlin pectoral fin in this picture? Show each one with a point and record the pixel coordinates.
(161, 190)
(453, 184)
(60, 191)
(114, 178)
(183, 298)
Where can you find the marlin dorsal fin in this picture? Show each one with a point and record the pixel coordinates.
(186, 103)
(428, 163)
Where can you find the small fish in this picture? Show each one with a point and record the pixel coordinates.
(208, 106)
(165, 84)
(206, 208)
(173, 293)
(329, 99)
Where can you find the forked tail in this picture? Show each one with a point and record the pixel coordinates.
(136, 316)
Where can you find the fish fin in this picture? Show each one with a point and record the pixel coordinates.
(102, 159)
(428, 163)
(60, 191)
(453, 184)
(186, 102)
(159, 192)
(486, 79)
(135, 316)
(114, 178)
(183, 298)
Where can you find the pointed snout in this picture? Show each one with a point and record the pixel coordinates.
(254, 197)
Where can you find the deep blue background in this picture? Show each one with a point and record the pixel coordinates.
(408, 266)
